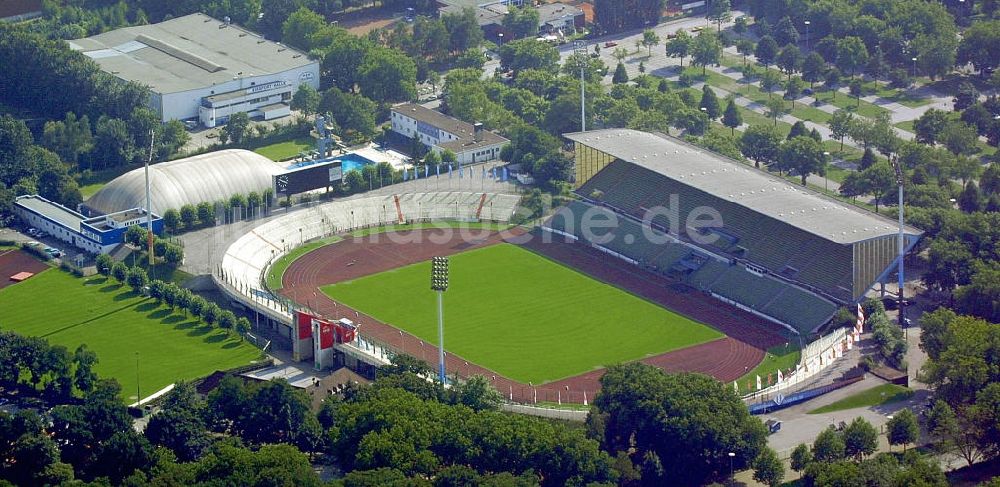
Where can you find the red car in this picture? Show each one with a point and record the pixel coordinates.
(610, 44)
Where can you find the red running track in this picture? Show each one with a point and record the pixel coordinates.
(725, 359)
(14, 261)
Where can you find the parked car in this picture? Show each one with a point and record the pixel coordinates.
(41, 234)
(610, 44)
(33, 231)
(807, 92)
(773, 426)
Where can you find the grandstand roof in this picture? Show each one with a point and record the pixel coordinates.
(206, 177)
(187, 53)
(746, 186)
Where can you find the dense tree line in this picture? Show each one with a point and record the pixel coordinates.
(617, 15)
(962, 368)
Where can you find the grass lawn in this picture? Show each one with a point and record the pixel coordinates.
(116, 325)
(800, 110)
(288, 149)
(782, 357)
(876, 396)
(93, 181)
(501, 312)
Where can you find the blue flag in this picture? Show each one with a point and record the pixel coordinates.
(438, 169)
(427, 171)
(459, 171)
(449, 171)
(484, 172)
(405, 173)
(505, 174)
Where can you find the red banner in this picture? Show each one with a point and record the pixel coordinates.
(304, 321)
(325, 334)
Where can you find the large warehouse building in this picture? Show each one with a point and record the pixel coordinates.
(782, 251)
(201, 68)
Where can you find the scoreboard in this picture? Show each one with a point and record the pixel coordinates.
(309, 177)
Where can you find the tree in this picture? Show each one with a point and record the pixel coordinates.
(679, 46)
(903, 429)
(768, 81)
(171, 220)
(206, 214)
(551, 168)
(829, 446)
(831, 81)
(959, 138)
(69, 138)
(620, 75)
(767, 51)
(227, 320)
(930, 125)
(528, 54)
(776, 108)
(767, 468)
(649, 40)
(104, 263)
(709, 103)
(860, 439)
(732, 117)
(840, 125)
(789, 60)
(615, 16)
(980, 45)
(119, 272)
(803, 155)
(760, 144)
(785, 32)
(387, 75)
(211, 313)
(299, 28)
(306, 99)
(137, 279)
(813, 68)
(745, 47)
(236, 129)
(793, 90)
(464, 32)
(479, 394)
(851, 54)
(965, 96)
(798, 129)
(857, 89)
(706, 49)
(718, 11)
(84, 377)
(521, 21)
(801, 457)
(971, 199)
(654, 414)
(879, 180)
(354, 114)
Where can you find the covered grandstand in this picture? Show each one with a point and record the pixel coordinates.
(203, 178)
(782, 251)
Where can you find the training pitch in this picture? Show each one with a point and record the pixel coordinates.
(116, 324)
(522, 315)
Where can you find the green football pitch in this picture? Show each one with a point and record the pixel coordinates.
(523, 315)
(116, 324)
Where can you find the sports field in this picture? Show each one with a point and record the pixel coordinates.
(523, 315)
(116, 324)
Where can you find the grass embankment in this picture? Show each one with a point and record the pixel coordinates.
(876, 396)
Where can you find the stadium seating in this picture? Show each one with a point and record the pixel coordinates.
(763, 240)
(795, 307)
(247, 258)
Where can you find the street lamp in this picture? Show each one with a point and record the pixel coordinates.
(138, 396)
(826, 179)
(807, 34)
(914, 59)
(897, 165)
(501, 38)
(580, 49)
(439, 283)
(731, 455)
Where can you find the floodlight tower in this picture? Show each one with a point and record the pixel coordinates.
(439, 283)
(149, 206)
(901, 245)
(580, 49)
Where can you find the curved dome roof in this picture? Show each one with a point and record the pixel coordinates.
(206, 177)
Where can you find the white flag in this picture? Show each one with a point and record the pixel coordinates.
(781, 378)
(758, 382)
